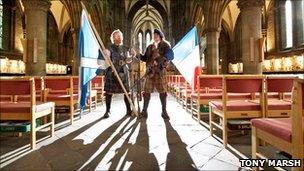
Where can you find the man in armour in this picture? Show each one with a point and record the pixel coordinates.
(157, 60)
(120, 57)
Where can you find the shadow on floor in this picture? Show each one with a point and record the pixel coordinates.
(127, 140)
(64, 153)
(178, 158)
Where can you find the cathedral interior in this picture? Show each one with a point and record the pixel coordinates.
(247, 102)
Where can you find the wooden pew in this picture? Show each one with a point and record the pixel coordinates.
(276, 104)
(25, 111)
(98, 85)
(209, 88)
(39, 86)
(173, 84)
(60, 90)
(185, 96)
(285, 134)
(237, 109)
(92, 98)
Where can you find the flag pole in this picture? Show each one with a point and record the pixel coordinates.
(108, 60)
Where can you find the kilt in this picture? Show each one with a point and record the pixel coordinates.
(112, 85)
(156, 82)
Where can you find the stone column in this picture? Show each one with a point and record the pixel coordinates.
(36, 35)
(251, 26)
(75, 64)
(212, 56)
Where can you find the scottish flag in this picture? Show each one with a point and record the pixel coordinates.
(187, 57)
(91, 59)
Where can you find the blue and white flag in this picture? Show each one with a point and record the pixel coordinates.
(187, 57)
(91, 58)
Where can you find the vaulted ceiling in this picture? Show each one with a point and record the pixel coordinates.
(148, 14)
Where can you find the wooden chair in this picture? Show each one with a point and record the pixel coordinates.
(25, 111)
(276, 105)
(98, 85)
(174, 84)
(185, 96)
(283, 133)
(209, 88)
(39, 86)
(92, 98)
(181, 86)
(60, 90)
(237, 109)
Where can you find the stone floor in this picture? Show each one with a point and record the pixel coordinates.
(121, 143)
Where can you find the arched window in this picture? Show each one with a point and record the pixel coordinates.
(140, 41)
(148, 38)
(288, 24)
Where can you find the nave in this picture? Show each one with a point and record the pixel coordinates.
(121, 142)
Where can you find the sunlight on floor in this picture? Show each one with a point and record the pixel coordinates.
(128, 143)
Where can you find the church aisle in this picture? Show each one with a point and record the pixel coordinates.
(128, 143)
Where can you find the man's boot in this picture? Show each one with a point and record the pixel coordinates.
(144, 112)
(108, 105)
(128, 108)
(163, 100)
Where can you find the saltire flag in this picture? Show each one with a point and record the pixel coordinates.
(187, 57)
(91, 58)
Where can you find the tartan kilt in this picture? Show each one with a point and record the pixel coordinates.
(156, 82)
(112, 85)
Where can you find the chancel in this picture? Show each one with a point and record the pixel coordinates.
(152, 85)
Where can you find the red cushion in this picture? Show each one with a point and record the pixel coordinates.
(212, 82)
(239, 96)
(279, 127)
(60, 97)
(97, 80)
(276, 104)
(15, 87)
(208, 96)
(244, 85)
(60, 83)
(280, 84)
(237, 105)
(23, 107)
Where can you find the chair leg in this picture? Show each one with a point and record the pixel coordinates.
(44, 120)
(254, 144)
(90, 103)
(72, 114)
(95, 102)
(33, 133)
(210, 120)
(225, 136)
(191, 107)
(198, 111)
(52, 127)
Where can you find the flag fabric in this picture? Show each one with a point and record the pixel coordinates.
(187, 57)
(91, 59)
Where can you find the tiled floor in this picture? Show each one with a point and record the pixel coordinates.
(124, 143)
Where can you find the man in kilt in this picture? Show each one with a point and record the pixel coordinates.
(120, 57)
(156, 63)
